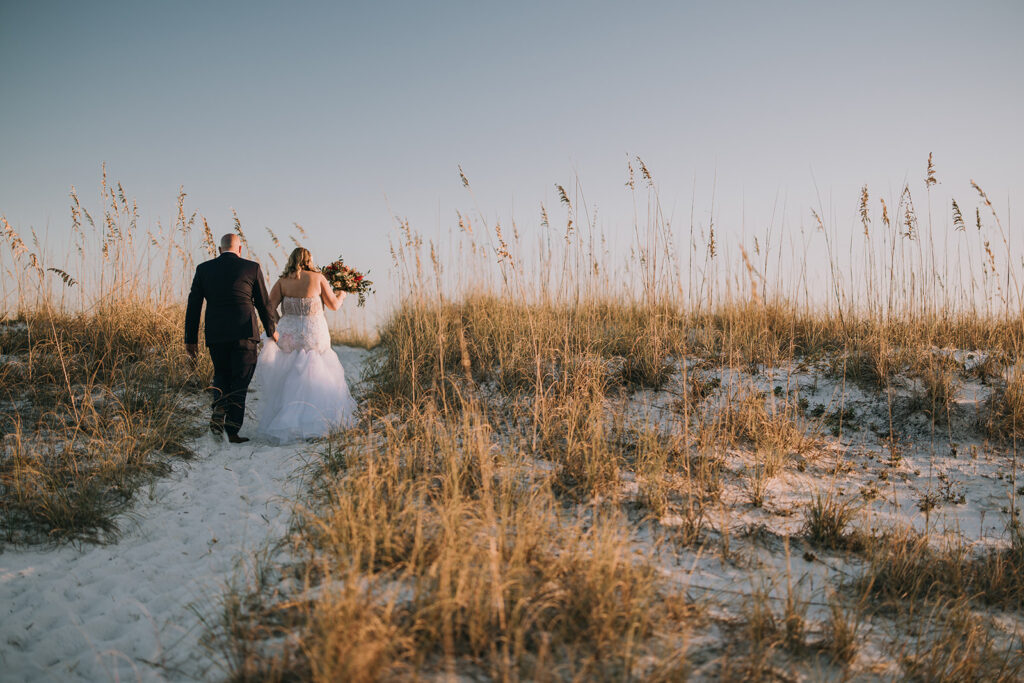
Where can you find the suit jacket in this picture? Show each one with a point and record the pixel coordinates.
(235, 292)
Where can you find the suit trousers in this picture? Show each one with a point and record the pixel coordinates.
(233, 366)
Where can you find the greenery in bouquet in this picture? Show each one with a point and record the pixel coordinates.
(343, 278)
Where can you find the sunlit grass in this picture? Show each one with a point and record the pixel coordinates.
(550, 451)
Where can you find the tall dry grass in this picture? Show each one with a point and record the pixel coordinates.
(96, 393)
(431, 547)
(540, 428)
(96, 396)
(93, 406)
(478, 521)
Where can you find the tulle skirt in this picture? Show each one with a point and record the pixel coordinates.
(303, 394)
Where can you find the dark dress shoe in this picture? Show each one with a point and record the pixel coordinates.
(235, 438)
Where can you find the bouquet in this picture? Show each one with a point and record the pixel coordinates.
(342, 278)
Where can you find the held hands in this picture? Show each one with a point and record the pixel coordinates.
(193, 349)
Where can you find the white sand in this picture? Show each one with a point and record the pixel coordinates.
(122, 611)
(127, 611)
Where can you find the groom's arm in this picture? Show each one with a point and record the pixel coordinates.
(192, 312)
(262, 302)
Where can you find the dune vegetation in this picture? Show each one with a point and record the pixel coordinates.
(693, 464)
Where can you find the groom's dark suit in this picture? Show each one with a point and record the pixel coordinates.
(235, 292)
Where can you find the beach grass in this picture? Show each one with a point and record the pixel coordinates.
(94, 406)
(687, 466)
(554, 483)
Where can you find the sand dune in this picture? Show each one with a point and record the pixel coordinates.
(130, 610)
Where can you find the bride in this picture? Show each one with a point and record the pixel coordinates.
(304, 393)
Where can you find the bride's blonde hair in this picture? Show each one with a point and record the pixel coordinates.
(300, 259)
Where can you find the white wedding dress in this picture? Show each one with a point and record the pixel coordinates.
(302, 386)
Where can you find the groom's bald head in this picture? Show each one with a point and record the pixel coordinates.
(231, 242)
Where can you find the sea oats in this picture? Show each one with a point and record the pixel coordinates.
(644, 172)
(563, 196)
(208, 241)
(818, 221)
(958, 218)
(864, 220)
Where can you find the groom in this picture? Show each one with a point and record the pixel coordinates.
(235, 292)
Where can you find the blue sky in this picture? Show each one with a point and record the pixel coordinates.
(335, 114)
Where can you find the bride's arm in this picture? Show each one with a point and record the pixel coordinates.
(327, 295)
(275, 297)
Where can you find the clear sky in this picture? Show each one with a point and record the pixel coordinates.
(329, 113)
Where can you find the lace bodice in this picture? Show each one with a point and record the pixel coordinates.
(302, 326)
(302, 306)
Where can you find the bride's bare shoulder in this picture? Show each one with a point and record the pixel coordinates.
(309, 282)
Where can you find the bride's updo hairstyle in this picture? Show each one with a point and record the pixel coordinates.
(300, 259)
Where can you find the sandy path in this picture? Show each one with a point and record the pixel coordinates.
(125, 611)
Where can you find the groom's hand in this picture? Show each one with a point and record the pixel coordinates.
(192, 350)
(274, 336)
